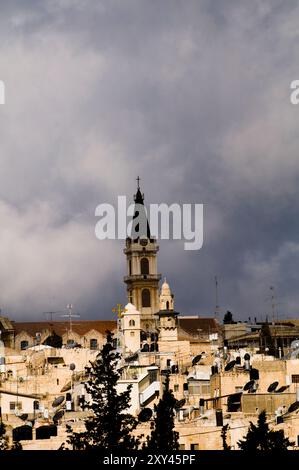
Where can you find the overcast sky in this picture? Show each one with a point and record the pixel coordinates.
(193, 96)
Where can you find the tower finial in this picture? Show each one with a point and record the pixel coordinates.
(138, 181)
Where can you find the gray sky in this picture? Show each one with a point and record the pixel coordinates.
(194, 96)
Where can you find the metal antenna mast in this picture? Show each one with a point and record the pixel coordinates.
(217, 307)
(273, 303)
(70, 315)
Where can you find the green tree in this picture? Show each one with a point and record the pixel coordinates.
(228, 318)
(109, 426)
(163, 437)
(224, 437)
(260, 437)
(266, 340)
(54, 340)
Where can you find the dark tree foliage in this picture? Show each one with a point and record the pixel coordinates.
(16, 446)
(224, 437)
(228, 318)
(54, 340)
(163, 437)
(3, 437)
(267, 340)
(260, 437)
(109, 427)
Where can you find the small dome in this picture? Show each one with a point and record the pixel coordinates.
(130, 308)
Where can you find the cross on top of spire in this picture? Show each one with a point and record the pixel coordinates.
(138, 182)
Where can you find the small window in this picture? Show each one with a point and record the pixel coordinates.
(182, 447)
(132, 333)
(194, 446)
(15, 406)
(295, 378)
(93, 344)
(167, 305)
(24, 345)
(176, 387)
(132, 323)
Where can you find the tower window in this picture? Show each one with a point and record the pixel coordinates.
(167, 305)
(132, 333)
(144, 266)
(130, 267)
(146, 298)
(132, 323)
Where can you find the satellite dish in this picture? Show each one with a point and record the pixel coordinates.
(196, 359)
(180, 403)
(282, 389)
(72, 366)
(66, 387)
(249, 385)
(272, 387)
(187, 411)
(58, 415)
(24, 416)
(230, 365)
(293, 407)
(58, 401)
(145, 415)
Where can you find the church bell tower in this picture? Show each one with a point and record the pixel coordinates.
(142, 279)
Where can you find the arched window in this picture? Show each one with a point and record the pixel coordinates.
(93, 344)
(24, 345)
(132, 323)
(144, 266)
(130, 267)
(167, 305)
(146, 298)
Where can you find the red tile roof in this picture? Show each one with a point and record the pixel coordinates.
(204, 325)
(80, 327)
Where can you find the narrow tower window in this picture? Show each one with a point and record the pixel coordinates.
(144, 266)
(146, 298)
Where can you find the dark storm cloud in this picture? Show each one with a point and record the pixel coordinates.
(194, 97)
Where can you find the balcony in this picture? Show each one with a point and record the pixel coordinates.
(142, 277)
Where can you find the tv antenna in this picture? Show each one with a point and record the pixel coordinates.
(49, 315)
(217, 307)
(273, 303)
(70, 315)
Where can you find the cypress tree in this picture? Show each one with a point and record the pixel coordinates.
(224, 437)
(109, 426)
(260, 437)
(163, 437)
